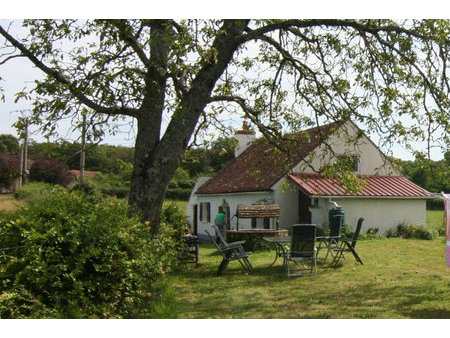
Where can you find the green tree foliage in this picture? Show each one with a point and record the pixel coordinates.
(113, 184)
(206, 160)
(176, 79)
(101, 157)
(73, 256)
(9, 145)
(180, 186)
(433, 176)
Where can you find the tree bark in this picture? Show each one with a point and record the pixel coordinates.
(156, 160)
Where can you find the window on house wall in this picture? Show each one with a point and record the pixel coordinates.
(314, 202)
(351, 160)
(205, 212)
(355, 160)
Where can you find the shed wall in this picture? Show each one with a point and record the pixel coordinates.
(381, 213)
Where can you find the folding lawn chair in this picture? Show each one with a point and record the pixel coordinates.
(348, 245)
(302, 251)
(230, 252)
(332, 241)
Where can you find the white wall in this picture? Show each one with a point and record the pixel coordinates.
(193, 199)
(381, 213)
(233, 200)
(286, 196)
(319, 215)
(372, 161)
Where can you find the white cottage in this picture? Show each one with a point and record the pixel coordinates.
(260, 174)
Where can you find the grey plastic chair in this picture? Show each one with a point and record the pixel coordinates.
(302, 251)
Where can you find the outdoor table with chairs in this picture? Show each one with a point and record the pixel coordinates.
(279, 242)
(299, 251)
(301, 247)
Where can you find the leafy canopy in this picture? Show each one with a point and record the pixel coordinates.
(391, 77)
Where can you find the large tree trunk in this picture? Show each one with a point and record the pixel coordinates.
(156, 160)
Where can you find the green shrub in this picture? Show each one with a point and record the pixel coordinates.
(33, 191)
(180, 186)
(417, 231)
(391, 233)
(435, 204)
(321, 231)
(347, 231)
(179, 194)
(79, 257)
(111, 184)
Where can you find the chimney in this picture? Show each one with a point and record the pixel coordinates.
(245, 137)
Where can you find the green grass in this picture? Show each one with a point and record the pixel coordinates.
(399, 279)
(9, 203)
(182, 205)
(435, 219)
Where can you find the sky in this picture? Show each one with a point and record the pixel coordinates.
(19, 72)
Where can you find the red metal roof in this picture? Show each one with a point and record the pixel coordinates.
(260, 166)
(381, 186)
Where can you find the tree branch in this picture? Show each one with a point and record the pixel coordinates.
(60, 78)
(11, 57)
(369, 28)
(131, 40)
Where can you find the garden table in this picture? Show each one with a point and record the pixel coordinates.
(279, 243)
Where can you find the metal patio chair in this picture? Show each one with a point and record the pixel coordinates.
(330, 242)
(302, 251)
(230, 252)
(220, 235)
(348, 245)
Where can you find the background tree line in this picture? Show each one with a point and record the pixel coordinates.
(113, 163)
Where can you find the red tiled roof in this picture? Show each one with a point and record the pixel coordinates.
(260, 166)
(381, 186)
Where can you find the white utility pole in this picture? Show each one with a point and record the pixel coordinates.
(24, 157)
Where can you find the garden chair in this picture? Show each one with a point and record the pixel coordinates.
(230, 252)
(220, 235)
(348, 245)
(330, 242)
(302, 251)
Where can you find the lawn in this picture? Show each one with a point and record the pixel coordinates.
(400, 278)
(435, 218)
(9, 203)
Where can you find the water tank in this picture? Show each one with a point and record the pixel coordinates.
(333, 216)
